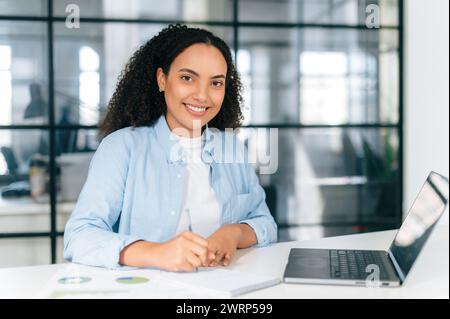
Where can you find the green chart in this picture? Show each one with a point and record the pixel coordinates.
(132, 280)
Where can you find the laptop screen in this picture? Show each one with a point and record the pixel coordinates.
(426, 210)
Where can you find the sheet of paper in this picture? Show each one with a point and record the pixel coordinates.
(81, 282)
(219, 282)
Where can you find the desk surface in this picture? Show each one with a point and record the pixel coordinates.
(429, 278)
(27, 206)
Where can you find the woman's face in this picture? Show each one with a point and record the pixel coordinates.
(194, 89)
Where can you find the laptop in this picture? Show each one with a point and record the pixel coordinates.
(368, 267)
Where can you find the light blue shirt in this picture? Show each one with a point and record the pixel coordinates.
(135, 186)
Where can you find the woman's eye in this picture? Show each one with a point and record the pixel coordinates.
(217, 83)
(186, 78)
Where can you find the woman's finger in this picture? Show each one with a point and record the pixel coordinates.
(226, 259)
(211, 257)
(199, 240)
(218, 259)
(194, 261)
(201, 252)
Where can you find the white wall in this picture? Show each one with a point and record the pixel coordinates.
(426, 133)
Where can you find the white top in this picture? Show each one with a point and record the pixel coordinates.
(200, 210)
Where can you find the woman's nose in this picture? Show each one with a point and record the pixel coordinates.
(201, 93)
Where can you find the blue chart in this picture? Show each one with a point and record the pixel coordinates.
(74, 280)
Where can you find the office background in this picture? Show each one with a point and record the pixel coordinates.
(362, 113)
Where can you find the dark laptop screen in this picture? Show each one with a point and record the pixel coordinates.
(426, 210)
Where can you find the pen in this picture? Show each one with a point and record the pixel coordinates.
(189, 219)
(190, 227)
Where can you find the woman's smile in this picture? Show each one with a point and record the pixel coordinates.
(196, 110)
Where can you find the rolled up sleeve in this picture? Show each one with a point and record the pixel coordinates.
(259, 217)
(89, 237)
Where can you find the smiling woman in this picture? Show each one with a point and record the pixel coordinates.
(145, 205)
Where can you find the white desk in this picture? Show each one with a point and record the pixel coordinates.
(429, 278)
(26, 215)
(26, 206)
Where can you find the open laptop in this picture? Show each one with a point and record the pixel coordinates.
(369, 267)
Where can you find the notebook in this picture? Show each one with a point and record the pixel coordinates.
(219, 282)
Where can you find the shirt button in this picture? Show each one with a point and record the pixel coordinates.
(179, 175)
(172, 213)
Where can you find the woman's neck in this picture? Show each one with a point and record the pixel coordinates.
(181, 131)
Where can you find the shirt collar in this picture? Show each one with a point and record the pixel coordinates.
(176, 153)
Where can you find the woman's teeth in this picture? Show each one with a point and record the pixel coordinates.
(195, 109)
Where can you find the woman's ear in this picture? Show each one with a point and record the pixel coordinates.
(161, 78)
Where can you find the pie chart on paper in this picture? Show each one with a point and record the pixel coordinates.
(74, 280)
(132, 280)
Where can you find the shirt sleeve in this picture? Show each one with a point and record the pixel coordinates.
(89, 237)
(259, 217)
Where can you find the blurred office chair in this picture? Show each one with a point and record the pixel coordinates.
(271, 199)
(17, 187)
(67, 139)
(10, 158)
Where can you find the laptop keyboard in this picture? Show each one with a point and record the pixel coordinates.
(351, 264)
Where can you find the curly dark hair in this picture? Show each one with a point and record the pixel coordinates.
(137, 100)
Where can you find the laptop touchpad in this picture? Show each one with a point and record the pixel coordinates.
(310, 263)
